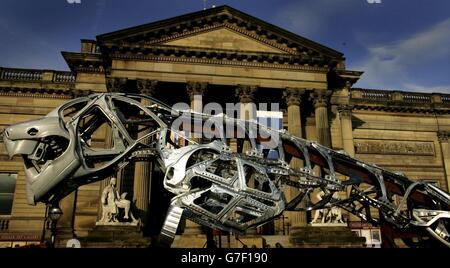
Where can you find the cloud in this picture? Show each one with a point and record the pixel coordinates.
(308, 17)
(421, 88)
(390, 65)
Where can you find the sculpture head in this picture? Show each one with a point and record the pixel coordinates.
(61, 151)
(113, 181)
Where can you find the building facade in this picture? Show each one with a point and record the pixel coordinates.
(224, 56)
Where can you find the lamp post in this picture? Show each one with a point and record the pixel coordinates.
(54, 213)
(284, 219)
(44, 225)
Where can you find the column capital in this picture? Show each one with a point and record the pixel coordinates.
(345, 110)
(320, 97)
(196, 88)
(246, 93)
(443, 136)
(146, 87)
(116, 84)
(293, 96)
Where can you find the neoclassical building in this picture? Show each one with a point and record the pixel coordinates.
(225, 56)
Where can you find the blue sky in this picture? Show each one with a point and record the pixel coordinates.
(400, 44)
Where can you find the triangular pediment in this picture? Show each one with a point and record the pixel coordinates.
(221, 29)
(224, 39)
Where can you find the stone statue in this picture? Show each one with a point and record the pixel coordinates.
(334, 215)
(328, 216)
(320, 213)
(111, 202)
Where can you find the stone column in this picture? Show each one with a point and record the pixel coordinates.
(246, 94)
(143, 170)
(293, 100)
(105, 182)
(114, 85)
(310, 128)
(248, 108)
(443, 137)
(196, 91)
(345, 114)
(321, 98)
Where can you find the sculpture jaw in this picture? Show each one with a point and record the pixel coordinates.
(43, 145)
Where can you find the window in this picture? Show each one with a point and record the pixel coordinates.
(273, 120)
(7, 189)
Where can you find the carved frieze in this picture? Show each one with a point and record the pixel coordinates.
(393, 147)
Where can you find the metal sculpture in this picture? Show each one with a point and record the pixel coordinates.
(212, 185)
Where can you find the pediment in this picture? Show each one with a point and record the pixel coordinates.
(221, 29)
(224, 39)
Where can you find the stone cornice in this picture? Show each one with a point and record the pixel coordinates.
(136, 50)
(84, 62)
(401, 109)
(36, 92)
(443, 136)
(195, 60)
(229, 26)
(89, 69)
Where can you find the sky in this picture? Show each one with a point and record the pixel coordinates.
(399, 44)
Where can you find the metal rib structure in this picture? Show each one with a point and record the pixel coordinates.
(211, 184)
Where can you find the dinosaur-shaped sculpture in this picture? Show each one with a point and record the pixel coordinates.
(211, 184)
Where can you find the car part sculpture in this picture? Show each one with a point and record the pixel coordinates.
(212, 185)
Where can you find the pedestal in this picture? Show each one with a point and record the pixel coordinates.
(116, 236)
(325, 237)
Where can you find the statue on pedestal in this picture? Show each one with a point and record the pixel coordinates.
(111, 201)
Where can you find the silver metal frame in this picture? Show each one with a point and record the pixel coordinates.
(212, 185)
